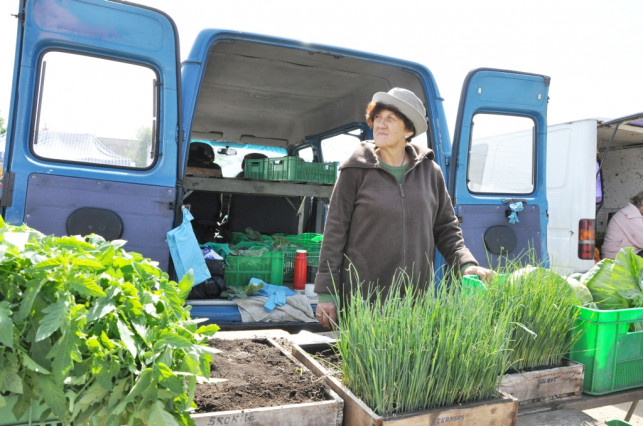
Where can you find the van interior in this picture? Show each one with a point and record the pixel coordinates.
(282, 100)
(619, 157)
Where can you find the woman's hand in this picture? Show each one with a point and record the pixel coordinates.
(484, 274)
(326, 314)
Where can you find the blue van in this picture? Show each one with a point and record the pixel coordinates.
(103, 114)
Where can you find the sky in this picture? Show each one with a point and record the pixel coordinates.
(591, 49)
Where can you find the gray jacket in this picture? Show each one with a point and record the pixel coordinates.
(379, 225)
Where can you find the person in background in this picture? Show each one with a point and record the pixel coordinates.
(389, 210)
(201, 161)
(625, 229)
(205, 206)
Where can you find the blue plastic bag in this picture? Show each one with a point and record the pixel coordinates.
(515, 209)
(185, 251)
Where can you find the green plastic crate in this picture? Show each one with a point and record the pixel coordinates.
(292, 169)
(268, 267)
(611, 353)
(254, 168)
(471, 284)
(312, 248)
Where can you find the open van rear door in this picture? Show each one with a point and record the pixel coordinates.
(93, 127)
(497, 183)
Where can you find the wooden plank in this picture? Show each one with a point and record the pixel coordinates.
(543, 386)
(498, 411)
(322, 413)
(257, 187)
(586, 402)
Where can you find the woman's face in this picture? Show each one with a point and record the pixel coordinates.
(389, 130)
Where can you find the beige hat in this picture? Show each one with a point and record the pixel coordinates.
(408, 104)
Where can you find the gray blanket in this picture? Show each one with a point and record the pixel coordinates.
(297, 308)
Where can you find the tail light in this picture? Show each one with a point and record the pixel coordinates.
(586, 239)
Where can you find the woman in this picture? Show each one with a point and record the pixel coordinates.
(389, 209)
(625, 229)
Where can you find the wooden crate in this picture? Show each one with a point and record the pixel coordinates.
(502, 410)
(321, 413)
(540, 387)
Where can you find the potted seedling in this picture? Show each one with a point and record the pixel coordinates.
(421, 356)
(543, 307)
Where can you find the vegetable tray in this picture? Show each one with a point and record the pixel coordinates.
(611, 351)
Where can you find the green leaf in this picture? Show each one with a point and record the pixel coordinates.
(117, 393)
(100, 308)
(53, 395)
(142, 385)
(30, 294)
(185, 285)
(93, 395)
(87, 287)
(31, 365)
(6, 325)
(208, 330)
(615, 284)
(53, 320)
(127, 337)
(87, 265)
(173, 341)
(11, 380)
(159, 416)
(64, 350)
(170, 380)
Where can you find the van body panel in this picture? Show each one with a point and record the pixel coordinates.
(571, 191)
(485, 216)
(108, 32)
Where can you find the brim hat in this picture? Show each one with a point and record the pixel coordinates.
(408, 104)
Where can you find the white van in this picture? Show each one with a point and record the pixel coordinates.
(593, 168)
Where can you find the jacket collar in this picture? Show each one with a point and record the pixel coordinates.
(365, 157)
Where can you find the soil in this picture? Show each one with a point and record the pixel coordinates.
(257, 374)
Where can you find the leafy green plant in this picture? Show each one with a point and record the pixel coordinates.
(544, 307)
(96, 334)
(414, 350)
(242, 291)
(618, 283)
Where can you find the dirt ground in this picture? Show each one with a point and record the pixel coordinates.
(258, 375)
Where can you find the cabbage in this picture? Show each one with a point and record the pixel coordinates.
(616, 284)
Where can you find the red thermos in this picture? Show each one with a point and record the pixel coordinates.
(301, 270)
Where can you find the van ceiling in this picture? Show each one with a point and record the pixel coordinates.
(276, 96)
(629, 132)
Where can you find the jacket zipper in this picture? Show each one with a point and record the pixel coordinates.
(403, 199)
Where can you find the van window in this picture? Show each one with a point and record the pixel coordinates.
(95, 111)
(338, 148)
(501, 155)
(230, 155)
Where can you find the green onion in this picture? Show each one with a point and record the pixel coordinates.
(415, 350)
